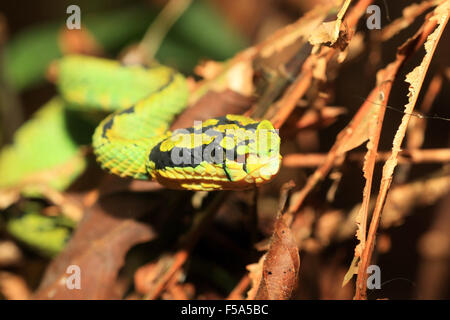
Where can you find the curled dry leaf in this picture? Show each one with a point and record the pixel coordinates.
(326, 33)
(281, 265)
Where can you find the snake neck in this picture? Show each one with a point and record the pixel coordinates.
(123, 140)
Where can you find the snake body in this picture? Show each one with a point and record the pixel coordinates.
(230, 152)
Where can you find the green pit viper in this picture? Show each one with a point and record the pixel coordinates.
(227, 153)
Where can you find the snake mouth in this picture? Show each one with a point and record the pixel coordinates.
(272, 166)
(265, 170)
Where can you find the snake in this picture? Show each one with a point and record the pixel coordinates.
(134, 140)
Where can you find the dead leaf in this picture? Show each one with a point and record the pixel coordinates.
(98, 247)
(281, 265)
(327, 33)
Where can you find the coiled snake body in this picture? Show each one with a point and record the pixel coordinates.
(231, 152)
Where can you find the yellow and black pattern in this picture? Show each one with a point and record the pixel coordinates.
(231, 152)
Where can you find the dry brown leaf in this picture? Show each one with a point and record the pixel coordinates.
(98, 247)
(281, 265)
(327, 33)
(385, 78)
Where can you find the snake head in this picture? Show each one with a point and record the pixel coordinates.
(231, 152)
(263, 157)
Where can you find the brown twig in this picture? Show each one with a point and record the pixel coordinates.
(422, 36)
(158, 30)
(297, 200)
(311, 160)
(417, 126)
(240, 288)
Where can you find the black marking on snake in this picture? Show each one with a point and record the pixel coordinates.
(108, 125)
(244, 166)
(224, 167)
(127, 111)
(192, 157)
(221, 121)
(211, 152)
(169, 82)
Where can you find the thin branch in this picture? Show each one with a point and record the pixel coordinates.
(158, 30)
(311, 160)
